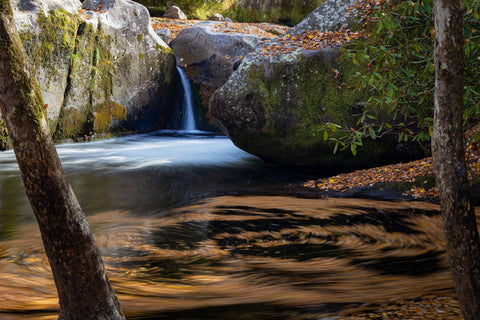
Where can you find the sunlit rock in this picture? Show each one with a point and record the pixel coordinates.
(175, 12)
(101, 68)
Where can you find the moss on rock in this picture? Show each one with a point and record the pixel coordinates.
(4, 138)
(276, 107)
(72, 124)
(56, 39)
(106, 114)
(84, 63)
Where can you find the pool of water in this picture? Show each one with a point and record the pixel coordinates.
(191, 227)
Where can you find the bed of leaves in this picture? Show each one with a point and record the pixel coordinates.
(432, 308)
(412, 172)
(264, 30)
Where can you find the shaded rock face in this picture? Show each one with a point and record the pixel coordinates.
(209, 56)
(275, 106)
(101, 70)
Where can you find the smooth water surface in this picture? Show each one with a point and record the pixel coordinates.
(190, 229)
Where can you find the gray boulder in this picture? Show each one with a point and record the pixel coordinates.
(101, 5)
(165, 34)
(217, 17)
(100, 70)
(331, 15)
(175, 12)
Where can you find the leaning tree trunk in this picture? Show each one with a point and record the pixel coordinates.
(83, 287)
(460, 226)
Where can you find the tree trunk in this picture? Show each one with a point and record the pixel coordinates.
(461, 233)
(83, 287)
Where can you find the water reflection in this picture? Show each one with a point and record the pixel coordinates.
(250, 257)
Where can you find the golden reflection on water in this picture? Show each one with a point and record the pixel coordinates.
(288, 253)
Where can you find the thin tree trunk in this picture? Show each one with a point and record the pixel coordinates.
(461, 233)
(83, 287)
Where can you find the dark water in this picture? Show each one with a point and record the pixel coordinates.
(192, 228)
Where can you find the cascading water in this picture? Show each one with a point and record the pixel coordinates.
(188, 121)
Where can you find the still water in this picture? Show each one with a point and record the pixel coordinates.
(191, 227)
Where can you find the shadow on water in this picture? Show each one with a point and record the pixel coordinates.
(190, 228)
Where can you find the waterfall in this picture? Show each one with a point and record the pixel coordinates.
(188, 121)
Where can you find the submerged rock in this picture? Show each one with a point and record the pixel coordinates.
(101, 69)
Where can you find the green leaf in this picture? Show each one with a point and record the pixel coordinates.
(353, 148)
(372, 133)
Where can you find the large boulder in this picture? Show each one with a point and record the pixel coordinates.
(101, 69)
(209, 51)
(277, 104)
(175, 12)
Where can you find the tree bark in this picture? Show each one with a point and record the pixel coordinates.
(460, 226)
(82, 284)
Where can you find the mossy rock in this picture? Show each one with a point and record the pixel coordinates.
(50, 45)
(85, 61)
(275, 107)
(4, 139)
(106, 115)
(275, 11)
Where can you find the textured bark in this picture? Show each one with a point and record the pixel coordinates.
(83, 287)
(461, 232)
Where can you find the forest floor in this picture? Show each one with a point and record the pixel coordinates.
(413, 180)
(264, 30)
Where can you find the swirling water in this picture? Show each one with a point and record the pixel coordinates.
(190, 229)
